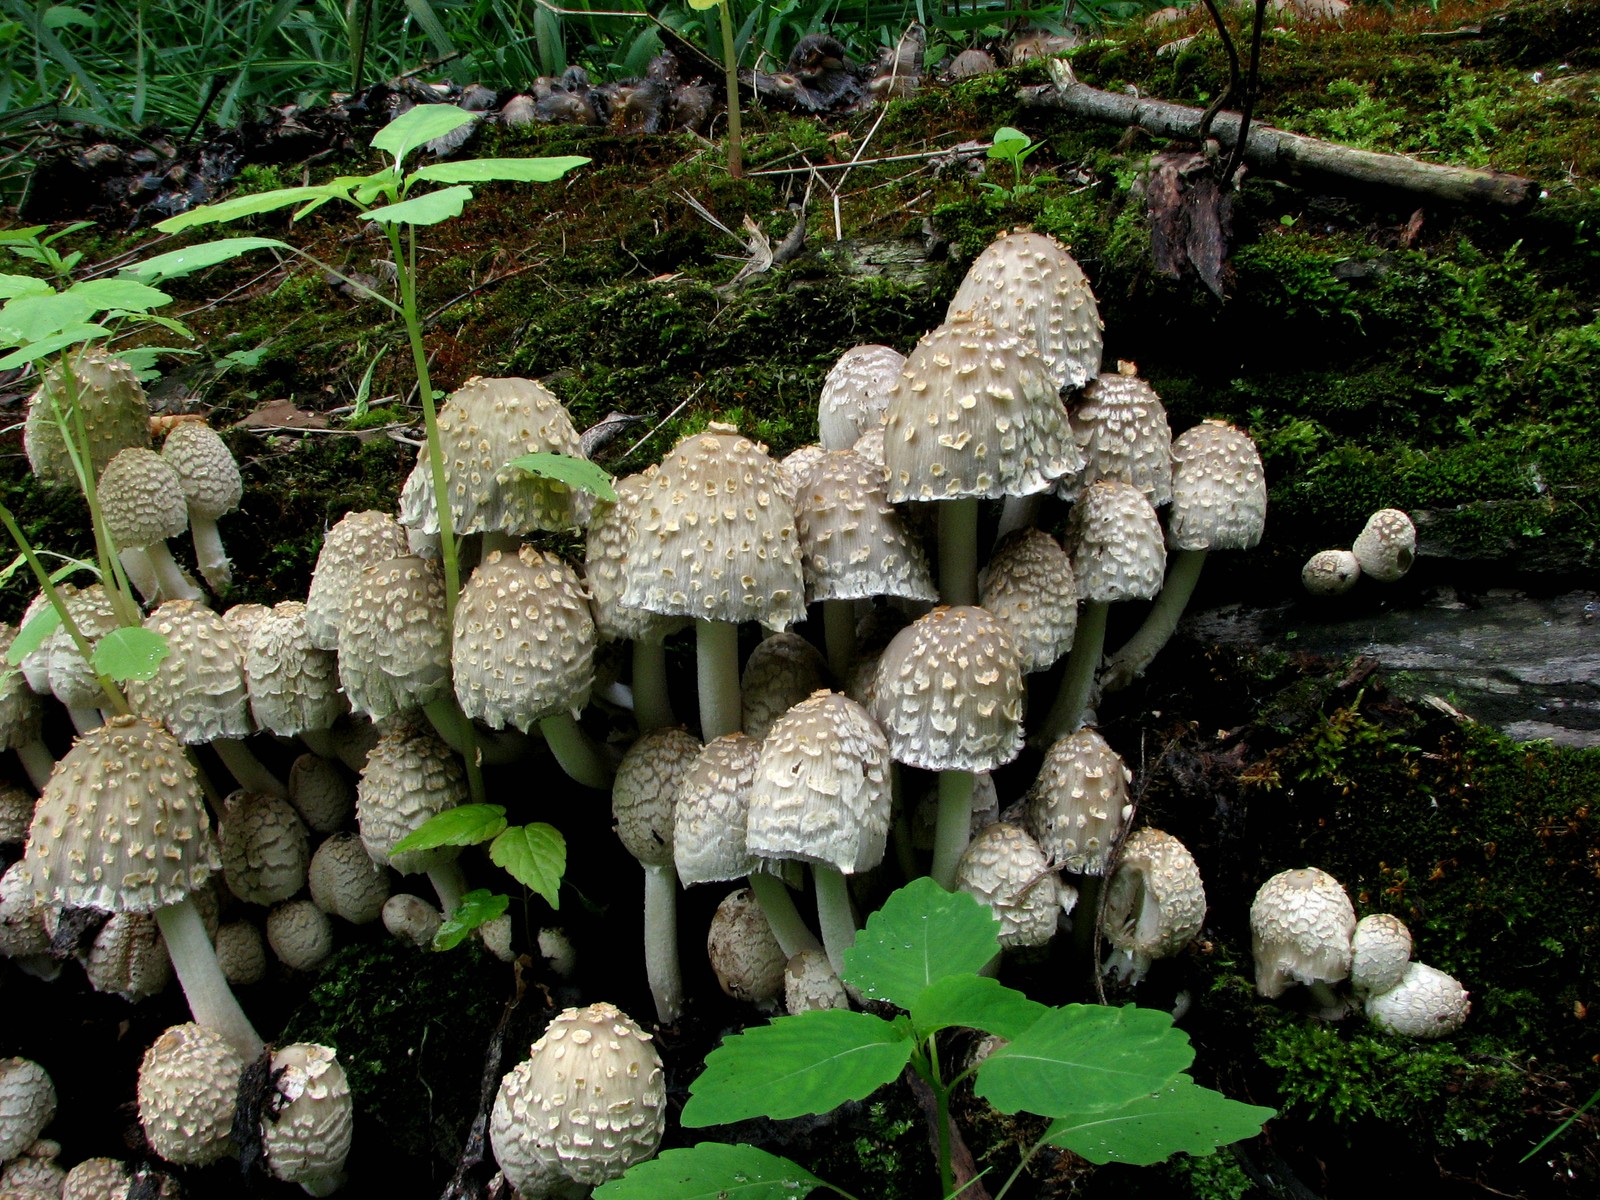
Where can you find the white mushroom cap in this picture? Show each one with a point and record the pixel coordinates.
(129, 957)
(411, 919)
(71, 679)
(98, 1179)
(188, 1084)
(558, 951)
(294, 685)
(781, 671)
(300, 934)
(205, 467)
(27, 1105)
(265, 847)
(1029, 586)
(1079, 804)
(359, 540)
(22, 931)
(645, 790)
(320, 793)
(809, 984)
(745, 955)
(1219, 490)
(1427, 1003)
(1122, 430)
(394, 649)
(114, 411)
(307, 1128)
(16, 812)
(1387, 547)
(855, 394)
(1116, 544)
(1155, 902)
(796, 465)
(20, 711)
(198, 690)
(241, 953)
(606, 567)
(1301, 923)
(1006, 870)
(35, 1174)
(1330, 572)
(854, 544)
(495, 934)
(142, 499)
(1380, 952)
(708, 815)
(411, 775)
(345, 882)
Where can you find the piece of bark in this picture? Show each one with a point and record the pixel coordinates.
(1190, 218)
(963, 1167)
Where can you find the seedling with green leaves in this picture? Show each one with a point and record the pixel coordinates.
(1112, 1081)
(1013, 146)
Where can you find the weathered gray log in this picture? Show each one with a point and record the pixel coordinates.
(1269, 149)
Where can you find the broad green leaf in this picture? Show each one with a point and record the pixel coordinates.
(33, 633)
(564, 468)
(59, 16)
(975, 1002)
(243, 206)
(1007, 142)
(810, 1063)
(703, 5)
(536, 857)
(35, 317)
(1183, 1116)
(1085, 1058)
(921, 934)
(513, 170)
(126, 294)
(177, 263)
(476, 907)
(713, 1171)
(23, 285)
(44, 347)
(130, 653)
(26, 234)
(417, 127)
(428, 209)
(463, 825)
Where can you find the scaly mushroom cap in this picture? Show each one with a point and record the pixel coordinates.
(300, 934)
(1122, 430)
(483, 426)
(241, 953)
(198, 690)
(1027, 283)
(27, 1105)
(821, 789)
(394, 649)
(795, 466)
(855, 394)
(810, 984)
(1029, 586)
(188, 1084)
(1427, 1003)
(645, 790)
(320, 793)
(870, 446)
(294, 686)
(1380, 952)
(129, 958)
(22, 931)
(1219, 490)
(591, 1097)
(781, 671)
(1155, 902)
(709, 812)
(242, 621)
(1115, 541)
(345, 882)
(20, 711)
(1301, 923)
(307, 1128)
(16, 814)
(975, 414)
(948, 691)
(1078, 804)
(1003, 868)
(1387, 547)
(853, 543)
(606, 567)
(141, 498)
(206, 468)
(360, 540)
(35, 1174)
(746, 957)
(411, 775)
(524, 640)
(122, 825)
(98, 1179)
(114, 413)
(411, 919)
(1330, 572)
(265, 847)
(714, 538)
(69, 676)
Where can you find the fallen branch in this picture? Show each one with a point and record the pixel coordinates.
(1269, 149)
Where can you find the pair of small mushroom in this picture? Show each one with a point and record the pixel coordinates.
(1384, 551)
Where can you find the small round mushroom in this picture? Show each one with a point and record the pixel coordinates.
(212, 488)
(141, 499)
(411, 919)
(188, 1083)
(1155, 903)
(1380, 952)
(745, 955)
(34, 1174)
(1427, 1003)
(345, 882)
(241, 953)
(1387, 546)
(265, 847)
(1122, 430)
(27, 1105)
(1029, 586)
(1330, 572)
(1301, 923)
(129, 958)
(300, 934)
(98, 1179)
(781, 671)
(320, 793)
(308, 1124)
(811, 984)
(411, 775)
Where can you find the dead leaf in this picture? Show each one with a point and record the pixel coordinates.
(282, 414)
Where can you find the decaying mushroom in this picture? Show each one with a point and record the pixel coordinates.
(1005, 870)
(1301, 923)
(1330, 572)
(1155, 903)
(1426, 1003)
(309, 1123)
(1387, 546)
(748, 962)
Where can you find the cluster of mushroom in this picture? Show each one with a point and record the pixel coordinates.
(1384, 551)
(1303, 930)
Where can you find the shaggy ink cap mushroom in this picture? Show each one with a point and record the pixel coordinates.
(212, 488)
(266, 848)
(1155, 903)
(781, 671)
(20, 716)
(141, 499)
(241, 953)
(1078, 804)
(300, 934)
(27, 1105)
(1380, 952)
(34, 1174)
(188, 1085)
(745, 954)
(394, 648)
(1029, 586)
(795, 466)
(1387, 546)
(410, 777)
(129, 958)
(1004, 869)
(294, 685)
(115, 414)
(308, 1124)
(345, 882)
(1426, 1003)
(855, 394)
(22, 931)
(321, 793)
(1330, 572)
(1122, 429)
(98, 1179)
(1301, 924)
(359, 540)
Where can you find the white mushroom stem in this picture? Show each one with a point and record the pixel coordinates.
(717, 673)
(583, 761)
(652, 702)
(661, 941)
(36, 761)
(783, 918)
(1019, 512)
(834, 913)
(211, 1000)
(250, 772)
(1139, 651)
(953, 828)
(449, 884)
(209, 555)
(1066, 714)
(169, 579)
(141, 572)
(958, 551)
(839, 632)
(85, 718)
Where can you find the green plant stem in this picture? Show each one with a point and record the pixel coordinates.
(730, 63)
(1135, 655)
(941, 1096)
(1022, 1165)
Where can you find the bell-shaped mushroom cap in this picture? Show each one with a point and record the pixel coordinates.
(198, 690)
(411, 919)
(606, 567)
(1219, 490)
(345, 882)
(394, 649)
(360, 540)
(524, 640)
(1301, 923)
(1122, 430)
(483, 426)
(810, 984)
(795, 466)
(1380, 952)
(1427, 1003)
(142, 499)
(22, 931)
(411, 775)
(1387, 546)
(1029, 586)
(294, 686)
(265, 847)
(98, 1179)
(320, 793)
(206, 468)
(1027, 283)
(714, 538)
(821, 788)
(975, 414)
(708, 815)
(114, 412)
(746, 957)
(20, 711)
(241, 953)
(855, 394)
(1004, 868)
(645, 790)
(188, 1084)
(129, 779)
(854, 544)
(27, 1104)
(1115, 541)
(307, 1137)
(1078, 804)
(242, 621)
(1330, 572)
(781, 671)
(55, 664)
(129, 958)
(948, 691)
(591, 1097)
(300, 934)
(1155, 902)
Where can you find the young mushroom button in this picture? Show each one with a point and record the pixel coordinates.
(109, 398)
(212, 487)
(1301, 924)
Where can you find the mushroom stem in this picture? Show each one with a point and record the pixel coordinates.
(839, 631)
(85, 718)
(169, 579)
(1019, 512)
(210, 998)
(652, 702)
(209, 555)
(834, 913)
(249, 770)
(141, 571)
(1138, 652)
(449, 884)
(583, 761)
(783, 918)
(954, 827)
(717, 674)
(320, 742)
(661, 941)
(36, 761)
(450, 723)
(958, 550)
(1066, 714)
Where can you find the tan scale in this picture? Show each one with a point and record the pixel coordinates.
(188, 1083)
(1116, 544)
(27, 1104)
(394, 648)
(266, 847)
(129, 958)
(646, 789)
(1219, 490)
(411, 776)
(709, 812)
(212, 488)
(1380, 952)
(1386, 546)
(345, 882)
(300, 934)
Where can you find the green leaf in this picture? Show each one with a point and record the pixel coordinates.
(713, 1171)
(703, 5)
(1007, 142)
(72, 335)
(536, 857)
(35, 317)
(476, 907)
(921, 934)
(1083, 1059)
(26, 234)
(513, 170)
(23, 285)
(463, 825)
(1181, 1117)
(810, 1063)
(177, 263)
(428, 209)
(975, 1002)
(242, 206)
(126, 294)
(417, 127)
(32, 635)
(130, 653)
(564, 468)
